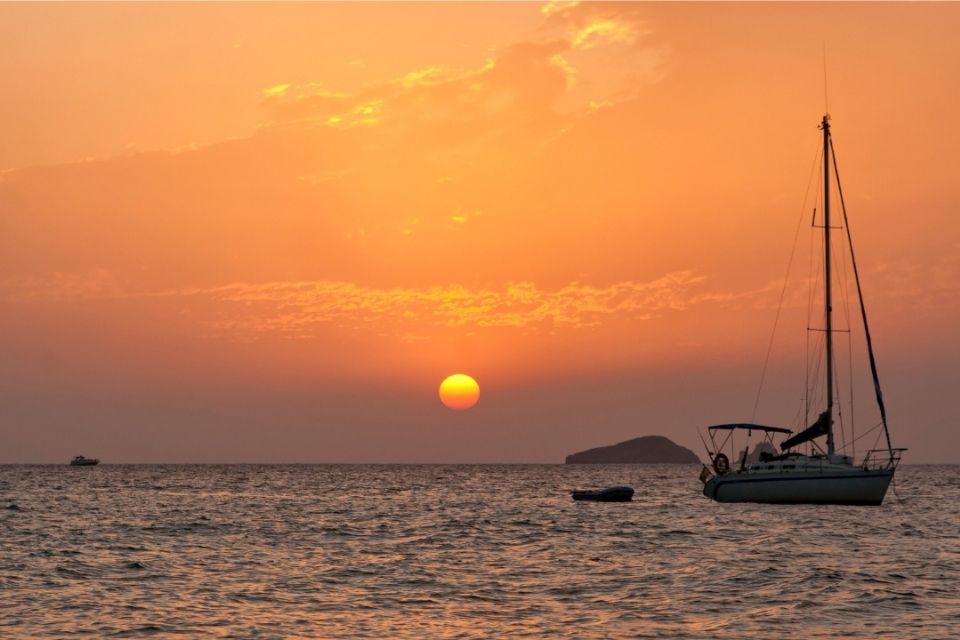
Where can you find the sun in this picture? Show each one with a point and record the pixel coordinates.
(459, 392)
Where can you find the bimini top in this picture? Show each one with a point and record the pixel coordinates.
(749, 427)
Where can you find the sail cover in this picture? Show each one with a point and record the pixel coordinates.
(817, 429)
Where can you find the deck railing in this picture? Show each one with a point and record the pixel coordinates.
(879, 459)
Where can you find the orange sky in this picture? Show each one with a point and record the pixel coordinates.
(265, 232)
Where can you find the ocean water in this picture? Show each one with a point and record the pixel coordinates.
(487, 551)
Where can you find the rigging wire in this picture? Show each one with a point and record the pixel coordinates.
(843, 431)
(870, 430)
(853, 422)
(842, 282)
(845, 289)
(863, 310)
(877, 439)
(783, 291)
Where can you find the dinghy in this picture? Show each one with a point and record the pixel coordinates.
(610, 494)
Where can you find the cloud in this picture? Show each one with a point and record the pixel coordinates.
(611, 44)
(341, 175)
(276, 90)
(97, 284)
(287, 103)
(310, 308)
(604, 41)
(303, 308)
(290, 306)
(932, 284)
(297, 307)
(524, 76)
(601, 21)
(421, 76)
(601, 32)
(350, 205)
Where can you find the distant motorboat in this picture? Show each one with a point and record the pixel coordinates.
(610, 494)
(80, 461)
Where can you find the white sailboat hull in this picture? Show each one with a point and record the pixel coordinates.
(856, 486)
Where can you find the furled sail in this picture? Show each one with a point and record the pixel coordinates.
(817, 429)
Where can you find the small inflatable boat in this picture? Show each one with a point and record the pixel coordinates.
(610, 494)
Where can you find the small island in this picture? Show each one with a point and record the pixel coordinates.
(645, 450)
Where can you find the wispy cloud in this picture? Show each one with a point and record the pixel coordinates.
(97, 284)
(523, 75)
(289, 306)
(306, 307)
(293, 308)
(276, 90)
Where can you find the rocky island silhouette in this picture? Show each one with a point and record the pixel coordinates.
(643, 450)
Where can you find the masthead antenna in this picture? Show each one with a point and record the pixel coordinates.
(826, 101)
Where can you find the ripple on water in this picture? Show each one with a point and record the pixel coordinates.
(463, 552)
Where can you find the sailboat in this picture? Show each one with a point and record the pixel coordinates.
(822, 474)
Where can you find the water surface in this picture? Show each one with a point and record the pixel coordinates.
(335, 551)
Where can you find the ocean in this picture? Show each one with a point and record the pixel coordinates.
(463, 551)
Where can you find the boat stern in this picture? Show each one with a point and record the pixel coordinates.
(709, 484)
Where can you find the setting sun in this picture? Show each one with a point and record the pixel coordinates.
(459, 392)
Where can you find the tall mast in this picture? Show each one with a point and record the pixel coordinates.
(828, 301)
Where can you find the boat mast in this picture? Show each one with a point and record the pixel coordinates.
(828, 310)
